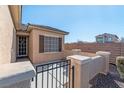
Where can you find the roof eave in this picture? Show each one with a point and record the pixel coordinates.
(16, 13)
(30, 27)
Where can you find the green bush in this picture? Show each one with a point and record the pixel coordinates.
(120, 66)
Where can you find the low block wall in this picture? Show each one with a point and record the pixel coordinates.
(16, 75)
(88, 67)
(116, 49)
(97, 65)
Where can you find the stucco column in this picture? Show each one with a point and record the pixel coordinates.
(81, 71)
(106, 56)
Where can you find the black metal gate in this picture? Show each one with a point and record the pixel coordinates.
(59, 74)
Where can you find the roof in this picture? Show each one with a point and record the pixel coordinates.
(49, 28)
(107, 34)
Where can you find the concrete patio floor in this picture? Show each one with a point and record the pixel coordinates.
(111, 80)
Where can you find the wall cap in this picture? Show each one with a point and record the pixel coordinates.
(97, 56)
(15, 72)
(103, 53)
(81, 59)
(120, 58)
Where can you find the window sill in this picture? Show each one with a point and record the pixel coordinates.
(51, 52)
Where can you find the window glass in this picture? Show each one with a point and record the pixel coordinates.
(51, 44)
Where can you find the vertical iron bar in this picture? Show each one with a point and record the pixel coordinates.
(42, 75)
(63, 74)
(56, 75)
(66, 73)
(69, 72)
(72, 76)
(60, 75)
(48, 76)
(32, 79)
(36, 78)
(52, 75)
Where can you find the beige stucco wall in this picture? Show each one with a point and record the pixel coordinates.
(34, 54)
(7, 36)
(30, 54)
(85, 68)
(22, 33)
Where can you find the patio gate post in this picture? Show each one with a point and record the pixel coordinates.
(106, 55)
(81, 65)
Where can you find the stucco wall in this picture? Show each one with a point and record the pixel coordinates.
(85, 68)
(30, 52)
(7, 36)
(34, 54)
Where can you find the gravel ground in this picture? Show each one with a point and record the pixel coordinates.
(111, 80)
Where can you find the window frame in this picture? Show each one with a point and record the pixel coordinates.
(50, 44)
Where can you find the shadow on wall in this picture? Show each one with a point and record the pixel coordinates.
(13, 47)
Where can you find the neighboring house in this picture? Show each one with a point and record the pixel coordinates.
(122, 40)
(36, 42)
(107, 38)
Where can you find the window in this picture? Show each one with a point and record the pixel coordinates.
(100, 39)
(109, 39)
(50, 44)
(22, 46)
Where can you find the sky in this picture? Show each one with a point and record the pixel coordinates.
(82, 22)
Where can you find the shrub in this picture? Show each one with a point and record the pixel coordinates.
(120, 66)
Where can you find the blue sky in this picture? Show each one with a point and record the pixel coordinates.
(82, 22)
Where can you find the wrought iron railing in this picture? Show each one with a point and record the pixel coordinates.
(58, 74)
